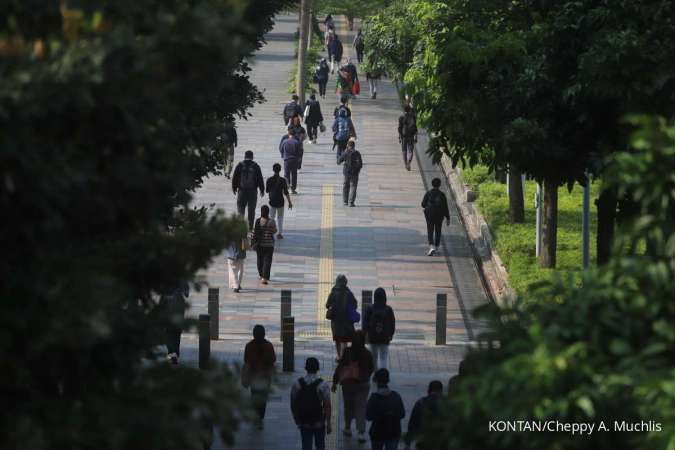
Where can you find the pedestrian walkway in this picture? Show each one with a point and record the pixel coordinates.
(380, 242)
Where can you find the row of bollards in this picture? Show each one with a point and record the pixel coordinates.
(208, 325)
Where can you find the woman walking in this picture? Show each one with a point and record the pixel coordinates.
(258, 370)
(236, 256)
(353, 373)
(341, 306)
(313, 117)
(277, 188)
(263, 242)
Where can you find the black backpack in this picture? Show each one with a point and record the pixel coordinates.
(308, 404)
(409, 125)
(289, 111)
(248, 176)
(377, 326)
(355, 163)
(435, 201)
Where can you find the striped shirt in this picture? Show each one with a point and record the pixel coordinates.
(264, 231)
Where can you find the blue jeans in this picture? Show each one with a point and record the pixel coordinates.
(318, 435)
(385, 445)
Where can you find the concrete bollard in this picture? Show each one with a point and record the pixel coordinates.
(441, 318)
(288, 334)
(285, 310)
(214, 311)
(204, 340)
(366, 301)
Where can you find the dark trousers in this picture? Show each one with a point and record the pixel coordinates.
(173, 339)
(291, 172)
(318, 435)
(359, 54)
(322, 87)
(407, 147)
(341, 147)
(259, 401)
(311, 130)
(265, 261)
(351, 181)
(391, 444)
(434, 225)
(247, 198)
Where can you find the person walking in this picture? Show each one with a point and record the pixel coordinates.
(229, 141)
(173, 304)
(291, 109)
(353, 373)
(342, 131)
(263, 242)
(300, 132)
(335, 50)
(385, 410)
(344, 105)
(311, 407)
(322, 77)
(425, 407)
(353, 163)
(373, 77)
(247, 178)
(313, 117)
(407, 134)
(277, 188)
(345, 82)
(328, 22)
(435, 205)
(258, 370)
(380, 324)
(341, 311)
(291, 152)
(236, 256)
(359, 45)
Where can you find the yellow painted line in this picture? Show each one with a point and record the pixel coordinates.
(325, 260)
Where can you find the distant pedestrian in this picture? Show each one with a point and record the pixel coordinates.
(236, 256)
(335, 50)
(344, 105)
(329, 35)
(342, 131)
(313, 117)
(425, 408)
(300, 132)
(291, 109)
(380, 325)
(258, 370)
(173, 304)
(291, 152)
(277, 188)
(407, 134)
(385, 410)
(321, 76)
(263, 243)
(435, 205)
(353, 163)
(311, 407)
(359, 45)
(246, 180)
(373, 76)
(328, 21)
(345, 82)
(341, 311)
(353, 373)
(229, 141)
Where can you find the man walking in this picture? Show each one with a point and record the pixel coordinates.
(351, 169)
(291, 109)
(407, 134)
(173, 304)
(311, 408)
(229, 141)
(385, 410)
(291, 153)
(313, 117)
(246, 179)
(435, 205)
(335, 50)
(277, 188)
(424, 408)
(380, 324)
(359, 45)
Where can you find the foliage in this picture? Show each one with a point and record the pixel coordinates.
(313, 56)
(602, 351)
(350, 8)
(109, 110)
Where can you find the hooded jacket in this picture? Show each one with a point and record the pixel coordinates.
(380, 304)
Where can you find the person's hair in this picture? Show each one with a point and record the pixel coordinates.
(435, 386)
(351, 143)
(358, 342)
(248, 154)
(295, 96)
(341, 280)
(436, 182)
(291, 130)
(296, 116)
(407, 108)
(264, 211)
(313, 96)
(344, 99)
(381, 377)
(312, 365)
(258, 332)
(276, 168)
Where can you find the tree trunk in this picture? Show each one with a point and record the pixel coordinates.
(606, 203)
(302, 51)
(516, 200)
(549, 238)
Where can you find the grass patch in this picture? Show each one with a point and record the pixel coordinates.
(515, 243)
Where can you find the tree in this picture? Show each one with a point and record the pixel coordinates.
(350, 8)
(109, 115)
(601, 351)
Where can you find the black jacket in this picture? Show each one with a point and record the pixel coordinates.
(385, 409)
(236, 177)
(390, 322)
(443, 211)
(314, 116)
(424, 408)
(348, 167)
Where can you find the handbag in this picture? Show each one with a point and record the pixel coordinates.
(357, 87)
(322, 127)
(352, 313)
(350, 373)
(329, 313)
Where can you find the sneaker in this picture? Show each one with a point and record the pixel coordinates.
(362, 437)
(294, 192)
(352, 204)
(264, 281)
(374, 95)
(346, 203)
(431, 251)
(280, 236)
(347, 432)
(407, 166)
(237, 289)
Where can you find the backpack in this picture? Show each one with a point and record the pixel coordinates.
(289, 111)
(377, 325)
(388, 423)
(435, 201)
(355, 163)
(342, 129)
(409, 125)
(248, 176)
(308, 404)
